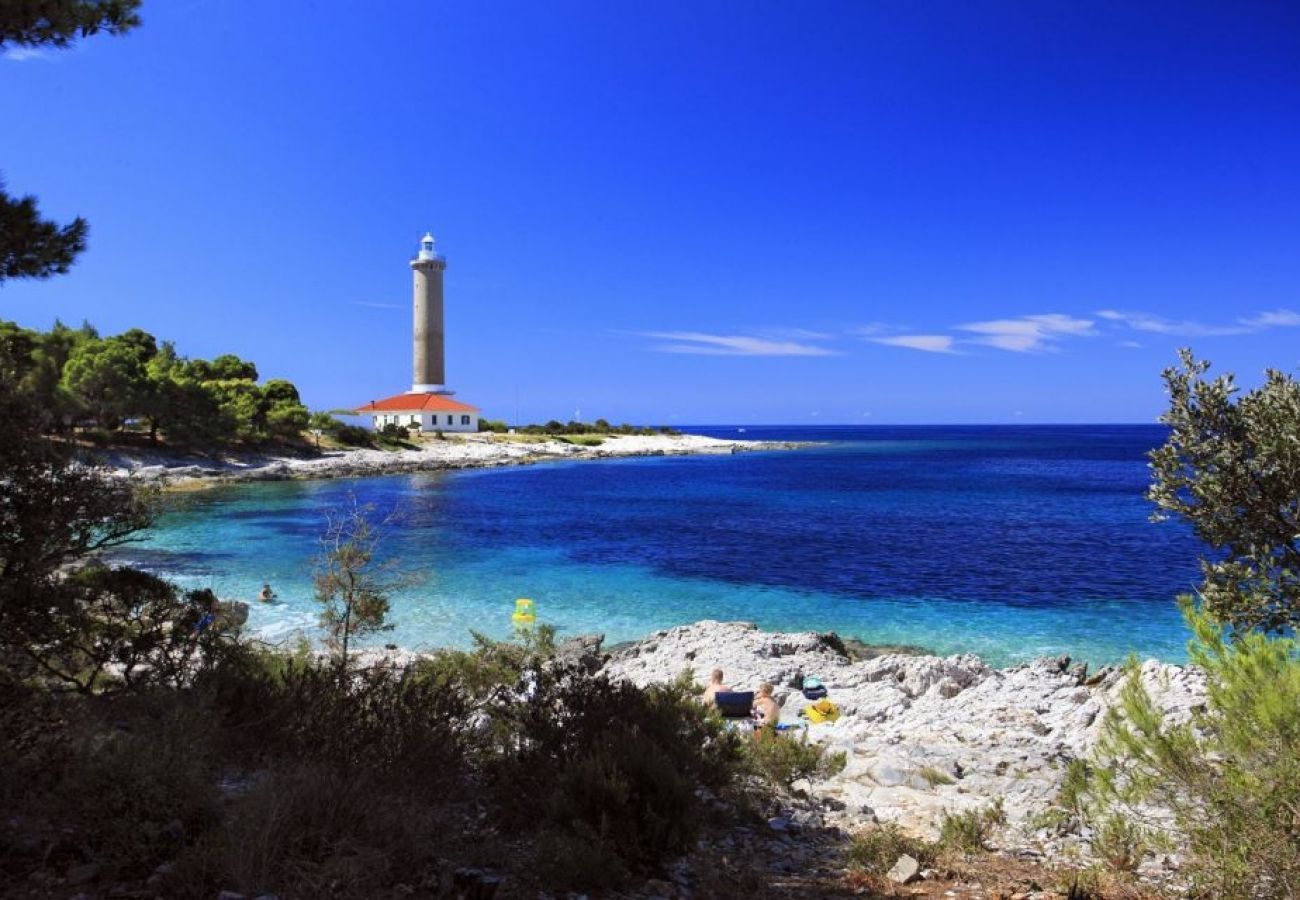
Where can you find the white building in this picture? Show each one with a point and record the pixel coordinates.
(431, 412)
(428, 405)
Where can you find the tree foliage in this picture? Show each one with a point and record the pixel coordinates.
(1224, 782)
(71, 624)
(1230, 775)
(58, 23)
(73, 376)
(32, 247)
(351, 585)
(1231, 468)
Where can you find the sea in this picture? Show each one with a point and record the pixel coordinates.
(1009, 542)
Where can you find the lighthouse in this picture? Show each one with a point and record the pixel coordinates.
(428, 405)
(429, 374)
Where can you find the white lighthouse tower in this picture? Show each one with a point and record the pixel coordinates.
(429, 373)
(428, 405)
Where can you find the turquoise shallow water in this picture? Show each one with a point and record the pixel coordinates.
(1006, 542)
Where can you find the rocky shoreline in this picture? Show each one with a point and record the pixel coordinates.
(925, 735)
(179, 471)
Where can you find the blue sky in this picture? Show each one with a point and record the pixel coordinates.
(682, 211)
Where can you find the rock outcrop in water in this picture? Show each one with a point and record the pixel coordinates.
(923, 735)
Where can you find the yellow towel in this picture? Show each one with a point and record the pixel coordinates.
(821, 711)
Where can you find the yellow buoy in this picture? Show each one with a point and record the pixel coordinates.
(523, 615)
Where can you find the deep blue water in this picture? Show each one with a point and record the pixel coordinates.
(1006, 541)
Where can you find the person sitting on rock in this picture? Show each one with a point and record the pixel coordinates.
(715, 687)
(767, 713)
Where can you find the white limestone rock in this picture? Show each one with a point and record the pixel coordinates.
(911, 724)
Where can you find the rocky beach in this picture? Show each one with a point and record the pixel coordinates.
(923, 735)
(452, 452)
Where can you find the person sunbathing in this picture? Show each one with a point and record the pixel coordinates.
(714, 687)
(767, 713)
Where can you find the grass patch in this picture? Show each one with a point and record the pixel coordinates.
(875, 850)
(969, 831)
(935, 777)
(519, 438)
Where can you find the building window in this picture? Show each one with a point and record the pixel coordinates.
(464, 420)
(451, 420)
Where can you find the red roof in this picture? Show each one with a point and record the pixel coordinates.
(411, 403)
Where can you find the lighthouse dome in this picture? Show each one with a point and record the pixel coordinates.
(427, 250)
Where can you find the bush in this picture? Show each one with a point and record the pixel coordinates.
(626, 801)
(607, 764)
(1119, 843)
(131, 791)
(571, 862)
(783, 759)
(1230, 776)
(876, 850)
(352, 436)
(967, 832)
(106, 628)
(492, 668)
(311, 830)
(386, 721)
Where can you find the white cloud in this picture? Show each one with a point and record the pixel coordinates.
(695, 342)
(931, 343)
(871, 329)
(1026, 333)
(23, 54)
(376, 305)
(792, 334)
(1156, 325)
(1278, 318)
(1139, 321)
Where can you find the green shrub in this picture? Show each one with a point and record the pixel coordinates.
(575, 861)
(875, 850)
(1068, 809)
(124, 789)
(783, 759)
(386, 721)
(304, 829)
(352, 436)
(626, 798)
(1230, 776)
(106, 629)
(967, 832)
(1119, 843)
(608, 763)
(491, 666)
